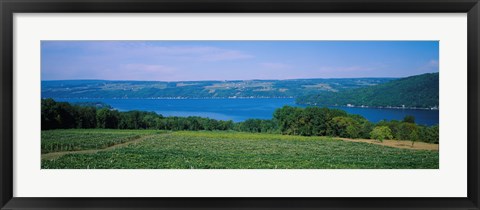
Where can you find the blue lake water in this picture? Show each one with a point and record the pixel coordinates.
(242, 109)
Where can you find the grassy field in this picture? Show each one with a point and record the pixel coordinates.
(219, 150)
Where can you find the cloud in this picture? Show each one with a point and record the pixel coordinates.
(133, 71)
(132, 49)
(221, 55)
(132, 60)
(345, 68)
(147, 68)
(270, 65)
(351, 71)
(431, 65)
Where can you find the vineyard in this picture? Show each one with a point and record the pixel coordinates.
(155, 149)
(78, 139)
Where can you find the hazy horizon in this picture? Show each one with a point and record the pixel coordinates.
(175, 61)
(234, 79)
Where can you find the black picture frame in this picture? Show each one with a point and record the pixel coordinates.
(9, 7)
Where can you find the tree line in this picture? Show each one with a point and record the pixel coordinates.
(310, 121)
(63, 115)
(316, 121)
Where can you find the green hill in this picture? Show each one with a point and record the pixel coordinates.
(419, 91)
(200, 89)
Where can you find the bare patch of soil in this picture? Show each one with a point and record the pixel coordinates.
(398, 144)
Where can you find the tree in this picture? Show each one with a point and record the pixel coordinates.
(66, 115)
(407, 131)
(318, 121)
(352, 131)
(346, 127)
(251, 125)
(107, 118)
(268, 126)
(365, 128)
(48, 114)
(394, 126)
(86, 117)
(149, 121)
(409, 119)
(380, 133)
(414, 137)
(226, 125)
(102, 116)
(288, 119)
(428, 134)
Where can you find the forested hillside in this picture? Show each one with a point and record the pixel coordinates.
(200, 89)
(421, 91)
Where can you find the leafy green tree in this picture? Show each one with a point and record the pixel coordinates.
(288, 119)
(160, 123)
(149, 121)
(414, 137)
(365, 128)
(48, 114)
(394, 126)
(250, 125)
(429, 134)
(352, 131)
(107, 118)
(318, 122)
(346, 127)
(226, 125)
(102, 116)
(381, 133)
(407, 131)
(86, 117)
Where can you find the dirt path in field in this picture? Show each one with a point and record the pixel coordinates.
(55, 155)
(398, 144)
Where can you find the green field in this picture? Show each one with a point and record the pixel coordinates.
(219, 150)
(80, 139)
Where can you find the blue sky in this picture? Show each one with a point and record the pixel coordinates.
(235, 60)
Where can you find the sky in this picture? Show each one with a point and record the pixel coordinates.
(235, 60)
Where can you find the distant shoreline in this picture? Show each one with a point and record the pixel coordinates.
(182, 98)
(376, 107)
(381, 107)
(200, 98)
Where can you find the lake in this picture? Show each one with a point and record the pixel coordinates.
(241, 109)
